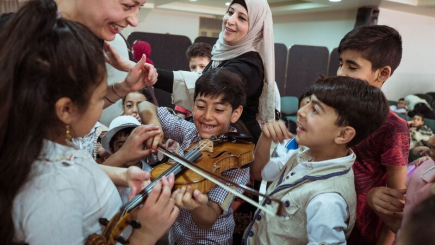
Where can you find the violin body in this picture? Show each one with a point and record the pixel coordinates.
(216, 158)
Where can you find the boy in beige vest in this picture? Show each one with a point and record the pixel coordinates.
(317, 183)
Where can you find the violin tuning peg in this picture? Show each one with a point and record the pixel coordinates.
(121, 240)
(134, 223)
(103, 221)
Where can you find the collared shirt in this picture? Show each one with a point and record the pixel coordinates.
(184, 230)
(277, 160)
(326, 213)
(65, 195)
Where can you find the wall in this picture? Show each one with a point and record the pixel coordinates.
(166, 21)
(317, 29)
(416, 73)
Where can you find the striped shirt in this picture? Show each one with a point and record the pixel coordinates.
(184, 230)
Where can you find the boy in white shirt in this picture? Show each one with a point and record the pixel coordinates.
(316, 184)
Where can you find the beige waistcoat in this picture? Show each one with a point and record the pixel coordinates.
(296, 193)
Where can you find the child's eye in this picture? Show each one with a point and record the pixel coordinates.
(230, 12)
(200, 107)
(314, 109)
(352, 68)
(242, 19)
(219, 110)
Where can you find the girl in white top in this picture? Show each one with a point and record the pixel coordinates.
(53, 74)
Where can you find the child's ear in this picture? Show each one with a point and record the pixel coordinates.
(384, 74)
(235, 115)
(346, 135)
(65, 110)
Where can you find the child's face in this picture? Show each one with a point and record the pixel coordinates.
(401, 104)
(417, 121)
(197, 64)
(130, 104)
(82, 124)
(352, 64)
(316, 126)
(212, 116)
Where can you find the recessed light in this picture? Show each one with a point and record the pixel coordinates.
(227, 3)
(335, 1)
(192, 0)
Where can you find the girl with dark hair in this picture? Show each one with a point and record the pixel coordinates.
(61, 95)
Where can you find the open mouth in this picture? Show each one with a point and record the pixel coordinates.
(229, 29)
(207, 127)
(299, 127)
(115, 28)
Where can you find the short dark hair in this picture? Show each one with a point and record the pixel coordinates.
(305, 93)
(357, 104)
(121, 133)
(379, 44)
(221, 82)
(401, 99)
(199, 50)
(419, 114)
(418, 230)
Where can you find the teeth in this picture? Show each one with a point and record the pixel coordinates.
(207, 126)
(115, 26)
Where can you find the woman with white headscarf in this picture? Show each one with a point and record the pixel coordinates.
(245, 47)
(418, 105)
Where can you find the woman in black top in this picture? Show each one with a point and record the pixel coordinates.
(245, 47)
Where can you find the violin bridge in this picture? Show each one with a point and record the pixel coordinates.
(205, 145)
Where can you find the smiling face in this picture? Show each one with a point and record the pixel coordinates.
(316, 125)
(235, 23)
(212, 116)
(106, 18)
(352, 64)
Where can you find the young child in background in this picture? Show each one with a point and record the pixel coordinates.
(52, 193)
(218, 102)
(418, 130)
(400, 107)
(199, 55)
(131, 100)
(373, 53)
(317, 182)
(119, 131)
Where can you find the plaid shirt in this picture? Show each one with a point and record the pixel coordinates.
(184, 230)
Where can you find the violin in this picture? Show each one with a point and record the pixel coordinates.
(218, 154)
(237, 153)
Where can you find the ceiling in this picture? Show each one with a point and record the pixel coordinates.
(286, 7)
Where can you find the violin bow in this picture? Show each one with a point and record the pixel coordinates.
(208, 175)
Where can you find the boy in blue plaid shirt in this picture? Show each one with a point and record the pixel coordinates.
(218, 101)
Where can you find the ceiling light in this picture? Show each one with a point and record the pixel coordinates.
(196, 0)
(227, 3)
(334, 1)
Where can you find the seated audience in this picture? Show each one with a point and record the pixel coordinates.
(418, 105)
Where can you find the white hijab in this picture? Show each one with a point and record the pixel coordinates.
(412, 100)
(260, 39)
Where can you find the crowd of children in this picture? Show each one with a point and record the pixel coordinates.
(341, 179)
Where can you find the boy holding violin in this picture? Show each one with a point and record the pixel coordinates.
(316, 184)
(218, 102)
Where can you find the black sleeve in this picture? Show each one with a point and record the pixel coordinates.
(165, 80)
(251, 70)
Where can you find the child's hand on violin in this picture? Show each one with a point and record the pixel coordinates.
(187, 198)
(276, 131)
(137, 179)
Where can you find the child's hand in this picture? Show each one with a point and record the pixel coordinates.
(141, 75)
(137, 179)
(277, 131)
(421, 150)
(157, 214)
(186, 198)
(386, 201)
